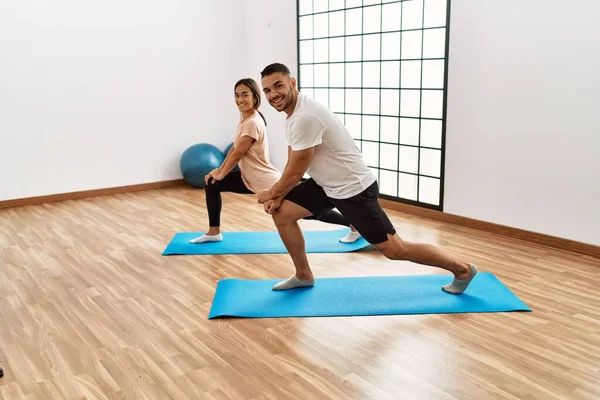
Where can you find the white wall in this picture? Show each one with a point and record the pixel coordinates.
(522, 140)
(110, 93)
(272, 37)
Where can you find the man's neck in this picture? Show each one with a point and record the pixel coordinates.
(290, 110)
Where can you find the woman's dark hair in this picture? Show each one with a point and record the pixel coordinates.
(251, 83)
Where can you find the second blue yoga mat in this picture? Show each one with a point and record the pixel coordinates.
(383, 295)
(262, 242)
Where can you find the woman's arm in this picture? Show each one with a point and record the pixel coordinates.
(234, 155)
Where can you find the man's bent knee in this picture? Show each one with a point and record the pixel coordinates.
(289, 213)
(282, 217)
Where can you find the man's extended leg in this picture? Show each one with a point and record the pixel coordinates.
(286, 220)
(397, 249)
(374, 225)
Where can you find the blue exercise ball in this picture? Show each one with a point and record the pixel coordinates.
(236, 168)
(197, 161)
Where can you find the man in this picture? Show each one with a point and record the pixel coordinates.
(320, 145)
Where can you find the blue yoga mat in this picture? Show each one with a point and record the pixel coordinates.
(356, 296)
(262, 242)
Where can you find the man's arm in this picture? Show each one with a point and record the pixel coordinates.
(297, 164)
(307, 133)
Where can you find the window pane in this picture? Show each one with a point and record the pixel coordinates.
(411, 74)
(305, 6)
(407, 186)
(390, 74)
(372, 19)
(431, 133)
(388, 182)
(306, 75)
(429, 190)
(371, 74)
(371, 47)
(410, 103)
(321, 25)
(389, 156)
(322, 96)
(392, 14)
(412, 14)
(321, 75)
(390, 46)
(370, 127)
(336, 49)
(433, 104)
(336, 75)
(389, 129)
(353, 3)
(336, 100)
(430, 162)
(370, 101)
(336, 4)
(306, 27)
(411, 44)
(390, 102)
(408, 160)
(353, 100)
(353, 123)
(353, 74)
(320, 5)
(309, 92)
(321, 50)
(435, 13)
(434, 43)
(370, 153)
(369, 2)
(353, 48)
(433, 74)
(409, 131)
(353, 21)
(306, 51)
(336, 23)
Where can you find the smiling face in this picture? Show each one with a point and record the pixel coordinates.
(280, 91)
(244, 98)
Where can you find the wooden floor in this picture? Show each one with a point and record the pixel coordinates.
(90, 309)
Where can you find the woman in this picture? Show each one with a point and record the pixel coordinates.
(250, 151)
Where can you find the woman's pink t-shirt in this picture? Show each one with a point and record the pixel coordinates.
(255, 165)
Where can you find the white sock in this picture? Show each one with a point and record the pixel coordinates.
(458, 286)
(293, 283)
(351, 237)
(207, 238)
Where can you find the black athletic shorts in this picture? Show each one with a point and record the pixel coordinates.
(363, 210)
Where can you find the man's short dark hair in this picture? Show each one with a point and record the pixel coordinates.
(275, 68)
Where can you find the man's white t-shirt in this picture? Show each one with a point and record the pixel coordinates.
(337, 164)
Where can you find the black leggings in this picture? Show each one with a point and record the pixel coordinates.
(233, 183)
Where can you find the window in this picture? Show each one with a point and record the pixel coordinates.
(380, 66)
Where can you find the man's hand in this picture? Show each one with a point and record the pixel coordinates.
(263, 196)
(272, 205)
